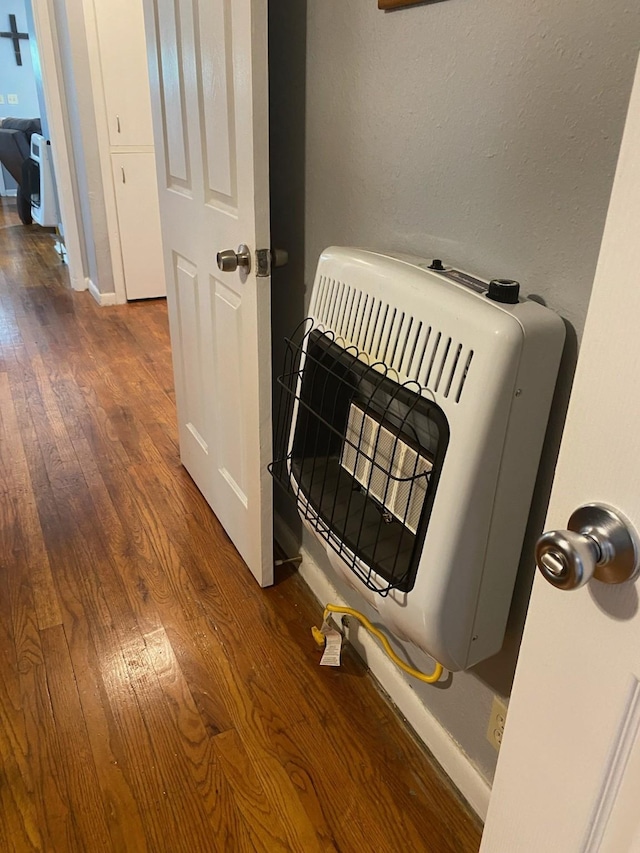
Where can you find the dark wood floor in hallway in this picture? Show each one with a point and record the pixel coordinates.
(152, 697)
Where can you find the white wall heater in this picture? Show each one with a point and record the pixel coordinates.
(44, 204)
(413, 410)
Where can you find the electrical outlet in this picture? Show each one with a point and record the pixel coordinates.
(12, 99)
(1, 99)
(495, 729)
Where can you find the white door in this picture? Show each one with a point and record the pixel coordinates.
(568, 774)
(209, 85)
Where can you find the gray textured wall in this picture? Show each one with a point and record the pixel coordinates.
(485, 134)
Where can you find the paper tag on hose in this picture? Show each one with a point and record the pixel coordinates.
(332, 647)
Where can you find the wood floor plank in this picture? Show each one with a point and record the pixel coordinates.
(252, 724)
(208, 693)
(18, 611)
(17, 788)
(111, 758)
(4, 837)
(14, 473)
(132, 742)
(197, 745)
(41, 579)
(49, 790)
(17, 807)
(173, 758)
(153, 698)
(267, 830)
(121, 808)
(85, 798)
(121, 647)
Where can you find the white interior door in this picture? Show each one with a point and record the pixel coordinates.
(569, 769)
(209, 85)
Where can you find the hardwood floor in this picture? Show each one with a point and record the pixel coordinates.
(152, 697)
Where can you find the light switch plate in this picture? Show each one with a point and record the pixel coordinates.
(1, 99)
(12, 99)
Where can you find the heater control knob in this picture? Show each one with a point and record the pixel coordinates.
(599, 543)
(504, 290)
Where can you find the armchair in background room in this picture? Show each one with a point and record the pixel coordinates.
(15, 142)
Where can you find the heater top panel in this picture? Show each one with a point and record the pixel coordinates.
(434, 327)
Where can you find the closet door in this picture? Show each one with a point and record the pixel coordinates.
(134, 177)
(123, 60)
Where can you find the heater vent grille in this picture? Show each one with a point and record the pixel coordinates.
(386, 334)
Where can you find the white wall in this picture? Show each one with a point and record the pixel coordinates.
(88, 189)
(16, 79)
(485, 134)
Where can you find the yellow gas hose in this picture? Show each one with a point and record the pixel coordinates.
(318, 636)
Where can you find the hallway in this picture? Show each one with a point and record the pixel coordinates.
(152, 697)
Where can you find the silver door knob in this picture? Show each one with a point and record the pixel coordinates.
(229, 261)
(599, 543)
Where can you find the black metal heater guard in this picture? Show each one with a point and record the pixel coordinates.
(361, 455)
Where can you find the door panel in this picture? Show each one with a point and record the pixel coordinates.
(208, 70)
(215, 63)
(170, 90)
(190, 340)
(228, 337)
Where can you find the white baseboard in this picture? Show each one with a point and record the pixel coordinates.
(102, 299)
(464, 775)
(9, 193)
(78, 283)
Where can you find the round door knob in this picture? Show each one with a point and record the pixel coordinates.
(229, 261)
(599, 543)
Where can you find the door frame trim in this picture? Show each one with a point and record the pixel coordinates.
(104, 154)
(46, 36)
